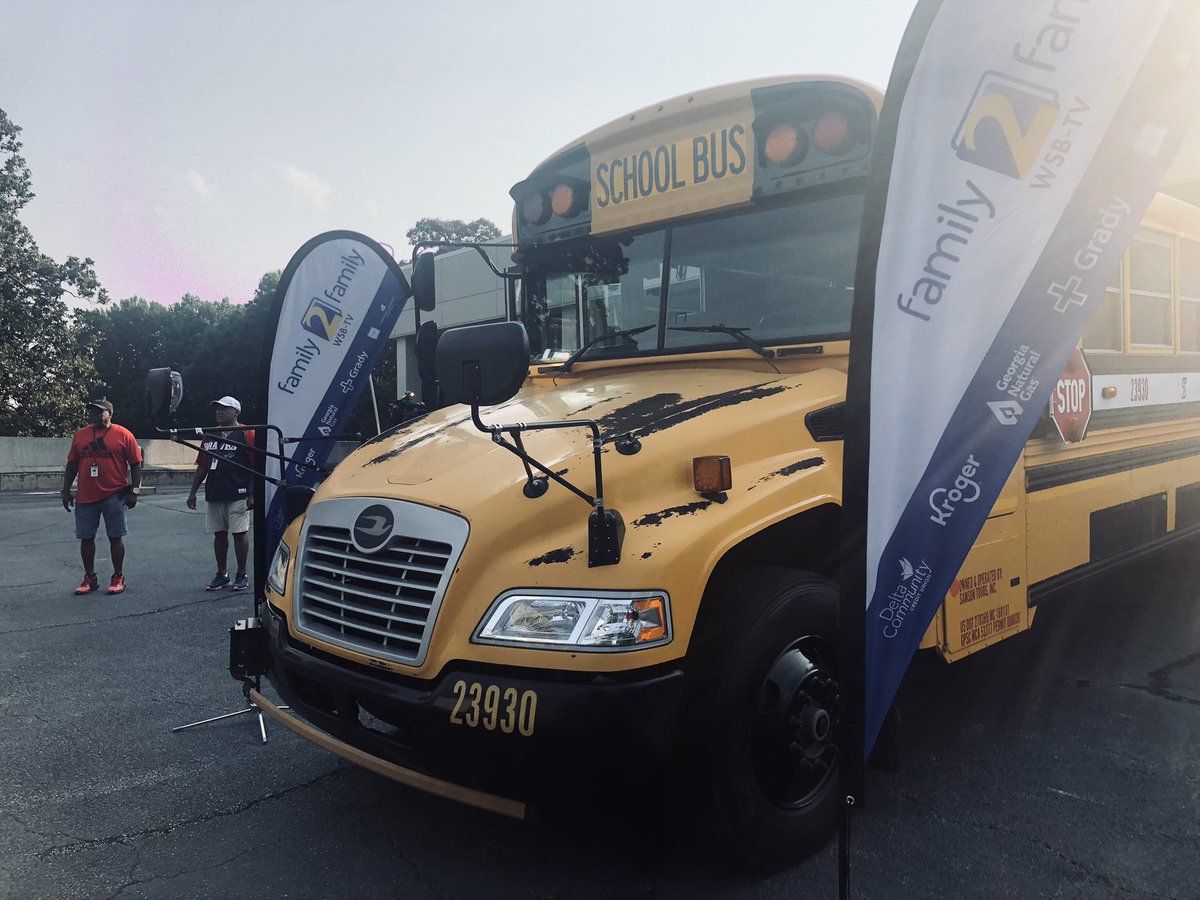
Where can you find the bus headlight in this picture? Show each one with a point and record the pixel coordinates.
(578, 620)
(277, 573)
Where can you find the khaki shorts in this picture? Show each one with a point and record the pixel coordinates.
(232, 516)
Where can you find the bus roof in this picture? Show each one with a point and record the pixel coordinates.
(652, 116)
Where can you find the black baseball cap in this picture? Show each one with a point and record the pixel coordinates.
(100, 404)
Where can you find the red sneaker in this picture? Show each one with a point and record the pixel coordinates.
(90, 583)
(117, 585)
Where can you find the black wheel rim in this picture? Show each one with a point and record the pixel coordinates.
(793, 725)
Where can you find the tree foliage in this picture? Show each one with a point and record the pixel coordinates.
(51, 360)
(453, 230)
(218, 348)
(46, 366)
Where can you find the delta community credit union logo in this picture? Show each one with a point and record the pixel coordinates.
(1006, 125)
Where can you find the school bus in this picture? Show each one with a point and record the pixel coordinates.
(611, 575)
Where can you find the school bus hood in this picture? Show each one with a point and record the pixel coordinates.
(677, 412)
(674, 535)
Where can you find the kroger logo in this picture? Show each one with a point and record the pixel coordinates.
(945, 501)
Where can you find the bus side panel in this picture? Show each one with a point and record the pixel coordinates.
(987, 601)
(1076, 520)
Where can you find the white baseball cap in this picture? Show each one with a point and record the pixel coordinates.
(228, 401)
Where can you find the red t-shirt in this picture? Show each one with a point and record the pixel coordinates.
(104, 456)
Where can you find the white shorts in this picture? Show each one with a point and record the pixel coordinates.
(231, 516)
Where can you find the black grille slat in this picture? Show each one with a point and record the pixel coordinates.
(397, 583)
(344, 623)
(382, 563)
(390, 616)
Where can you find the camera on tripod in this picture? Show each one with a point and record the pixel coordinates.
(249, 656)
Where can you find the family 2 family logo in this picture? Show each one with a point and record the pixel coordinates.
(1006, 125)
(322, 319)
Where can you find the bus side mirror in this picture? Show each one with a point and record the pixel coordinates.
(427, 341)
(422, 281)
(484, 364)
(164, 391)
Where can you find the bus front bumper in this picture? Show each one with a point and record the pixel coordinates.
(497, 738)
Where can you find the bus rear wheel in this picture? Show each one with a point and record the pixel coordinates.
(770, 727)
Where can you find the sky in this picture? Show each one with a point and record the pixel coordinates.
(192, 147)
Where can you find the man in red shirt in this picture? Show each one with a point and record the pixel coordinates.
(100, 455)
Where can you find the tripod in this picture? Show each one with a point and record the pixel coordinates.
(249, 658)
(251, 707)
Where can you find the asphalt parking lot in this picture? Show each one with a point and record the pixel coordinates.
(1062, 763)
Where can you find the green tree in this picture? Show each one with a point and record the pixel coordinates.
(46, 366)
(453, 230)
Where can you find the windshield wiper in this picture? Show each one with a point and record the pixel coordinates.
(738, 333)
(612, 335)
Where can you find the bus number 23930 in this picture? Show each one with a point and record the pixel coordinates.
(490, 707)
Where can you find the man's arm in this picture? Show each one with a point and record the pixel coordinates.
(68, 480)
(197, 480)
(135, 481)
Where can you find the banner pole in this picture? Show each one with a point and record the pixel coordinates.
(374, 403)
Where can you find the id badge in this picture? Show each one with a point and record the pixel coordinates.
(95, 471)
(212, 466)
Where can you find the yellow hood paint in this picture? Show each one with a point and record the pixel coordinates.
(730, 404)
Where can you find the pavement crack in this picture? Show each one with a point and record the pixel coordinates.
(134, 615)
(132, 882)
(1088, 872)
(131, 837)
(1159, 686)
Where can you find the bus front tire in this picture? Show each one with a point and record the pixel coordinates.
(768, 730)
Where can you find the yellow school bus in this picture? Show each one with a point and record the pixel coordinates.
(612, 576)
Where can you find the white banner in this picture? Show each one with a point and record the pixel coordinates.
(337, 303)
(1029, 139)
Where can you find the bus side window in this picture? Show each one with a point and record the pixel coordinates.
(1189, 296)
(1106, 328)
(1151, 310)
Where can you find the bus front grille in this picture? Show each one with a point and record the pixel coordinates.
(381, 603)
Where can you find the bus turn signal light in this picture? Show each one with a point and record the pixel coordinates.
(712, 474)
(786, 145)
(534, 209)
(831, 134)
(565, 200)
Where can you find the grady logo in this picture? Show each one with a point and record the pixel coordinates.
(1007, 412)
(372, 528)
(944, 501)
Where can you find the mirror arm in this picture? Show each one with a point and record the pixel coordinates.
(497, 433)
(279, 483)
(199, 432)
(478, 248)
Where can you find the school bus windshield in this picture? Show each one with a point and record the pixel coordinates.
(781, 275)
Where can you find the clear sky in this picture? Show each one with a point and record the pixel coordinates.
(193, 145)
